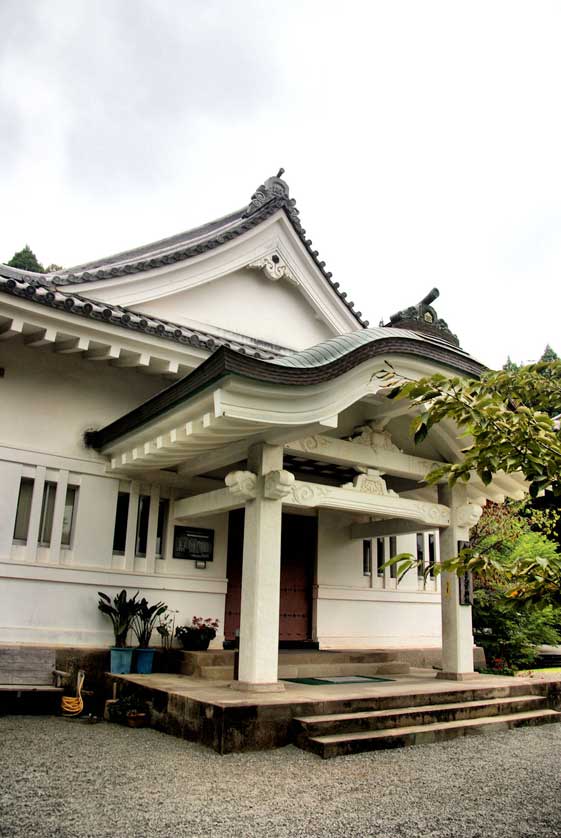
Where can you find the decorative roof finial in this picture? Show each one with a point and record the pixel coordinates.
(274, 188)
(429, 298)
(423, 318)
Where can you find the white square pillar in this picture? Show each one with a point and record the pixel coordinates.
(259, 618)
(457, 633)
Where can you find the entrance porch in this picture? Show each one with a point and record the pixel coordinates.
(313, 436)
(342, 718)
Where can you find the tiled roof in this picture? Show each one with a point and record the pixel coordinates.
(335, 348)
(19, 284)
(271, 196)
(314, 366)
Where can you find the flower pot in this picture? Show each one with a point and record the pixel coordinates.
(137, 719)
(144, 661)
(196, 641)
(121, 661)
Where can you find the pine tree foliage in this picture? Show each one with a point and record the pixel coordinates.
(26, 260)
(549, 354)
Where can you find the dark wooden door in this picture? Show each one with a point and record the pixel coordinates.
(298, 551)
(234, 573)
(298, 554)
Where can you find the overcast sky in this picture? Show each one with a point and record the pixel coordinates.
(421, 140)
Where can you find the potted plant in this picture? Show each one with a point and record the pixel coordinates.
(166, 630)
(121, 612)
(196, 636)
(143, 624)
(129, 710)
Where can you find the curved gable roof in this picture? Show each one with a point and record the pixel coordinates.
(322, 363)
(269, 198)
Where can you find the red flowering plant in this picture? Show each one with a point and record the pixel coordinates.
(197, 634)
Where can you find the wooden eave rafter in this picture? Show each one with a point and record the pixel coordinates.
(66, 334)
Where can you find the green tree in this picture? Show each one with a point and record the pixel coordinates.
(549, 354)
(509, 631)
(503, 415)
(505, 419)
(511, 637)
(26, 260)
(510, 365)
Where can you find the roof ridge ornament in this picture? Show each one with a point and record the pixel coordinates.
(274, 188)
(423, 318)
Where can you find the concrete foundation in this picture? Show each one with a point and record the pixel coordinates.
(228, 722)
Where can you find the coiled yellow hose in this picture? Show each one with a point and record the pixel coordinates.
(73, 706)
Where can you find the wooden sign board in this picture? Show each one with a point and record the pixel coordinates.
(193, 543)
(465, 581)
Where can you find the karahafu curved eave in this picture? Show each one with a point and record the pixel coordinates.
(315, 371)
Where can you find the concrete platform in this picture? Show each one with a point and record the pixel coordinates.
(227, 720)
(218, 665)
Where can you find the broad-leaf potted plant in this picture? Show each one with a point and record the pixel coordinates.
(121, 611)
(196, 636)
(143, 624)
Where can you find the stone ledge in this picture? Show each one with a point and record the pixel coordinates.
(458, 676)
(247, 686)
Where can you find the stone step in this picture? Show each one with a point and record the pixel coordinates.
(191, 663)
(373, 740)
(336, 723)
(304, 657)
(313, 670)
(216, 673)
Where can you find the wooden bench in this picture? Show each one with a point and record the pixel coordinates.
(28, 669)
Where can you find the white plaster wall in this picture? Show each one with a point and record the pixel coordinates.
(65, 611)
(94, 521)
(344, 622)
(42, 603)
(49, 595)
(248, 303)
(10, 478)
(340, 556)
(48, 400)
(358, 611)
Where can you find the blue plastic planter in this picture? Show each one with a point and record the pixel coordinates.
(144, 661)
(121, 661)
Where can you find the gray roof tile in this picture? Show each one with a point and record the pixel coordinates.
(19, 284)
(271, 196)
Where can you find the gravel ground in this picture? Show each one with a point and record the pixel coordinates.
(70, 779)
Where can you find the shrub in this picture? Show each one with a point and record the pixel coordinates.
(511, 634)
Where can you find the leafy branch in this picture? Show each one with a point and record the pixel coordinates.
(504, 416)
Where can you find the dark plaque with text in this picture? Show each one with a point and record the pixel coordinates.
(193, 543)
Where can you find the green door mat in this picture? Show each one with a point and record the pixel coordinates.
(335, 679)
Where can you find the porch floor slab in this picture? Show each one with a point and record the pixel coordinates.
(217, 715)
(222, 694)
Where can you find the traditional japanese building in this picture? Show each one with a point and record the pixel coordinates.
(201, 419)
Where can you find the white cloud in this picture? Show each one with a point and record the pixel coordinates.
(420, 139)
